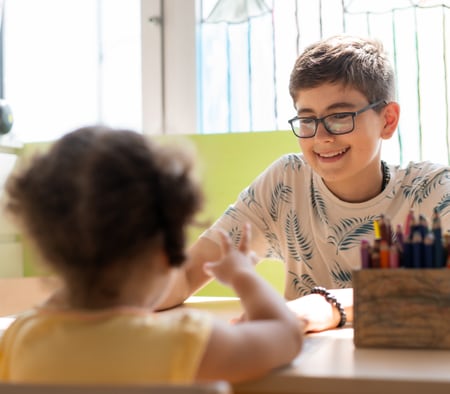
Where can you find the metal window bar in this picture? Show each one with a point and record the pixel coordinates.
(1, 49)
(301, 10)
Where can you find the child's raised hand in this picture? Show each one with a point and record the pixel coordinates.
(250, 345)
(234, 260)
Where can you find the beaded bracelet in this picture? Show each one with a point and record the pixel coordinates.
(333, 301)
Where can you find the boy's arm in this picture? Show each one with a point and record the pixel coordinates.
(314, 308)
(319, 313)
(191, 276)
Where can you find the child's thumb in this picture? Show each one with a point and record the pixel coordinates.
(209, 268)
(253, 257)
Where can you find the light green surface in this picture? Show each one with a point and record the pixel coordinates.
(227, 163)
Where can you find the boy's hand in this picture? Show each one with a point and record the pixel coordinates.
(318, 314)
(312, 310)
(233, 260)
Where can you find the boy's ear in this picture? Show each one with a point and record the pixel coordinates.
(391, 117)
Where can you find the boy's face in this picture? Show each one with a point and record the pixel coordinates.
(349, 163)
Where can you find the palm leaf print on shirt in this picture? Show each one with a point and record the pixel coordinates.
(299, 247)
(442, 206)
(318, 204)
(342, 278)
(302, 284)
(235, 235)
(421, 187)
(412, 167)
(348, 233)
(274, 250)
(281, 193)
(231, 212)
(293, 161)
(248, 197)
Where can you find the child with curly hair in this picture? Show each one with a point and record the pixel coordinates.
(108, 210)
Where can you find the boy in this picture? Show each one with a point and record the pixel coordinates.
(312, 209)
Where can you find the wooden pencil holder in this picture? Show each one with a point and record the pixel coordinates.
(402, 308)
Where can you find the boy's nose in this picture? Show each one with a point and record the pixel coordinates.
(322, 132)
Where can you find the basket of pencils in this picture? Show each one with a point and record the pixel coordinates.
(402, 291)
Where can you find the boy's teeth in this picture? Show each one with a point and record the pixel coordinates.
(331, 154)
(328, 155)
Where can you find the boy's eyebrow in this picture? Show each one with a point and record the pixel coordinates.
(342, 105)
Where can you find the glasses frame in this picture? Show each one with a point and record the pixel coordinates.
(322, 120)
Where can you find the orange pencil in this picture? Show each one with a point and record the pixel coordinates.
(384, 254)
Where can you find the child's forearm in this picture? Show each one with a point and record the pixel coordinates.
(259, 299)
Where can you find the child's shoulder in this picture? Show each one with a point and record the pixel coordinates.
(131, 320)
(188, 319)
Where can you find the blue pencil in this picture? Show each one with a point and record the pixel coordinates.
(417, 247)
(438, 247)
(428, 250)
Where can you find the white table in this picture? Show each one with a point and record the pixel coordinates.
(330, 363)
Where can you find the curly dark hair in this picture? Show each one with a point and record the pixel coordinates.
(101, 195)
(353, 61)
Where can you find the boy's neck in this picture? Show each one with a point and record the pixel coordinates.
(363, 188)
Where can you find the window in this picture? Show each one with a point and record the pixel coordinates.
(245, 67)
(69, 63)
(160, 66)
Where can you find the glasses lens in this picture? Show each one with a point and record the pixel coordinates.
(304, 127)
(340, 123)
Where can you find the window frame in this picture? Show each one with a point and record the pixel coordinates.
(169, 67)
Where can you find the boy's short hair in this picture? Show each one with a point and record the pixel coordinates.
(357, 62)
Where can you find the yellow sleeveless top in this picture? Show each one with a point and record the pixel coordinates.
(117, 346)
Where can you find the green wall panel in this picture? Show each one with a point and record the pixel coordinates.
(227, 163)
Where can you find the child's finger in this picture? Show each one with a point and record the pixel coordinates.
(253, 257)
(238, 319)
(208, 267)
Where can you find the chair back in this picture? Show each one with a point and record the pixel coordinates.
(218, 387)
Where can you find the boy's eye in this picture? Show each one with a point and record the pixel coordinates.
(340, 116)
(308, 121)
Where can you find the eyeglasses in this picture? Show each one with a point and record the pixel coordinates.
(336, 124)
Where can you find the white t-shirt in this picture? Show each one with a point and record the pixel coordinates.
(296, 219)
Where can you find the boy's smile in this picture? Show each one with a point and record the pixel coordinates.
(349, 164)
(331, 156)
